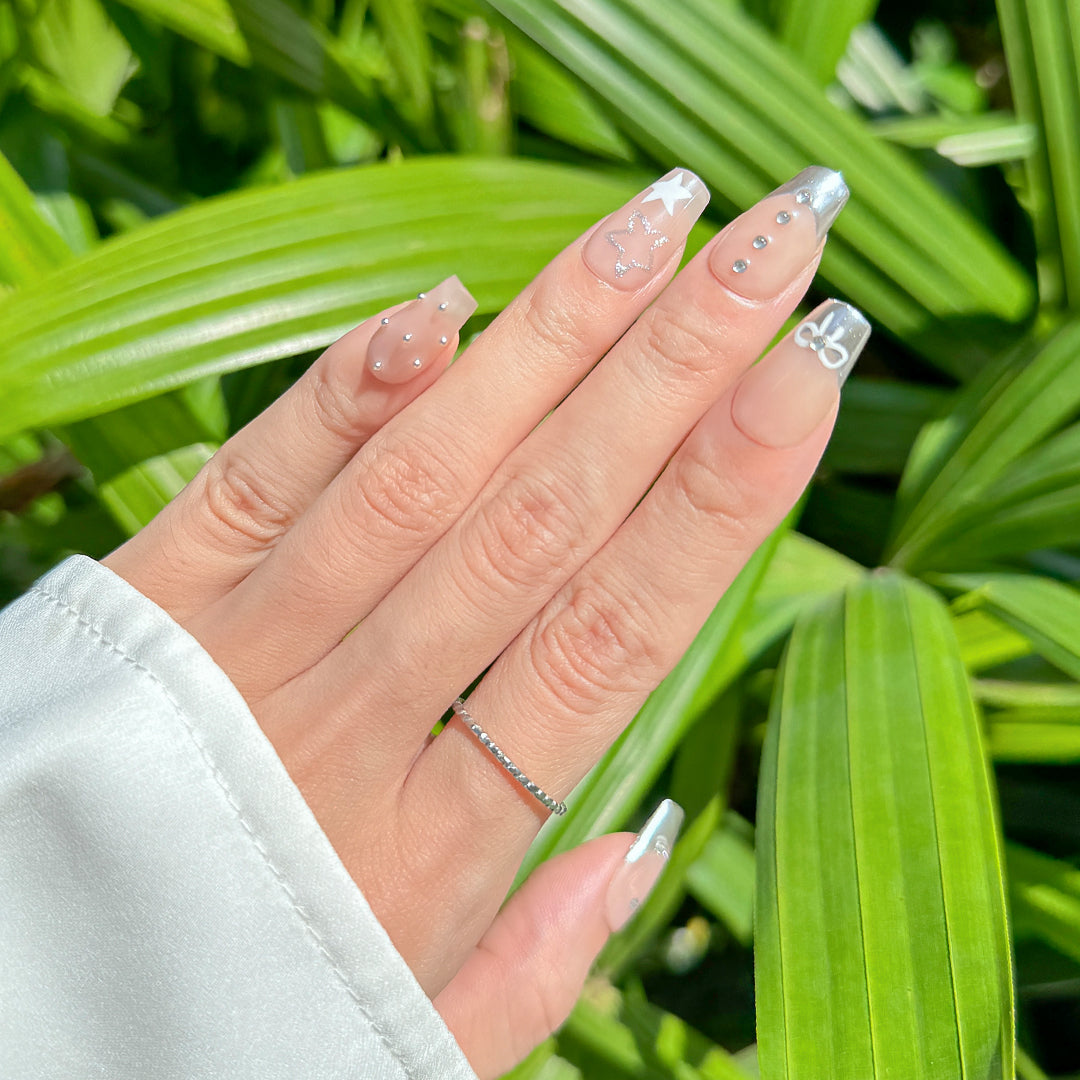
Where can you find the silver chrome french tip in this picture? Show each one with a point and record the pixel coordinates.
(837, 333)
(823, 190)
(643, 864)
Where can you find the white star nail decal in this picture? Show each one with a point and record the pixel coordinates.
(811, 336)
(669, 192)
(632, 263)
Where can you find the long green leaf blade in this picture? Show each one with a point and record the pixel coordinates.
(270, 273)
(30, 246)
(881, 940)
(1046, 612)
(704, 85)
(1042, 45)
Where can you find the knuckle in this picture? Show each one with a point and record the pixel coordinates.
(405, 486)
(679, 340)
(526, 532)
(336, 406)
(724, 499)
(598, 643)
(241, 509)
(559, 328)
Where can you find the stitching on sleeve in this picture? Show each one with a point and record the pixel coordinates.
(99, 635)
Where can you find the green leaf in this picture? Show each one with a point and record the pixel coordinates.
(702, 84)
(985, 642)
(65, 34)
(30, 246)
(1010, 408)
(1042, 46)
(266, 274)
(553, 102)
(722, 877)
(878, 423)
(1044, 898)
(210, 23)
(975, 140)
(610, 1035)
(137, 495)
(1037, 723)
(881, 944)
(818, 33)
(142, 456)
(1046, 612)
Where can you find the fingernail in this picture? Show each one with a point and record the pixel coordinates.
(762, 251)
(633, 244)
(409, 340)
(648, 855)
(784, 396)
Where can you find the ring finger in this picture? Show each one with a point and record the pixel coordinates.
(568, 684)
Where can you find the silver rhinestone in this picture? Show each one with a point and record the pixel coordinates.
(739, 266)
(377, 366)
(417, 362)
(802, 195)
(406, 337)
(421, 296)
(783, 217)
(385, 321)
(477, 729)
(760, 242)
(443, 340)
(444, 305)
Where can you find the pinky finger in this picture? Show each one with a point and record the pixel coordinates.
(260, 482)
(523, 978)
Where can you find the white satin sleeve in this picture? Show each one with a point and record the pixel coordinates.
(169, 907)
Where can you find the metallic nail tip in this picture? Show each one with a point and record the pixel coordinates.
(659, 833)
(826, 190)
(837, 333)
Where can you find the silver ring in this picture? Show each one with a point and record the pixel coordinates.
(553, 805)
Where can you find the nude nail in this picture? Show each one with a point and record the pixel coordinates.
(632, 245)
(412, 338)
(762, 251)
(645, 861)
(784, 397)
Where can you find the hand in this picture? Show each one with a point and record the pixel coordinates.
(361, 552)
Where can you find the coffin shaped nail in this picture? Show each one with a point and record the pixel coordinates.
(411, 339)
(644, 862)
(633, 244)
(762, 251)
(784, 397)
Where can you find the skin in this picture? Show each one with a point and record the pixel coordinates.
(353, 503)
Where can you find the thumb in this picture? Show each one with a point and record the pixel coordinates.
(523, 978)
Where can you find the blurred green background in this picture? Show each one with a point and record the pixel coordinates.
(876, 736)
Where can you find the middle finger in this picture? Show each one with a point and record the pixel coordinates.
(558, 497)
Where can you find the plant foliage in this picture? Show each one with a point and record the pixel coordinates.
(197, 195)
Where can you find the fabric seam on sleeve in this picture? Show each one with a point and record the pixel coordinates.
(219, 779)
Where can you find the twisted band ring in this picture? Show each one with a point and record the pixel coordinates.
(553, 805)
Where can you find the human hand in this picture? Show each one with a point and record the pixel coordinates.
(361, 552)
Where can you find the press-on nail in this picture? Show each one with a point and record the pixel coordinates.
(634, 243)
(783, 397)
(409, 341)
(762, 251)
(648, 855)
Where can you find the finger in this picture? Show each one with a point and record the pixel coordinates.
(565, 688)
(523, 978)
(254, 488)
(415, 477)
(561, 494)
